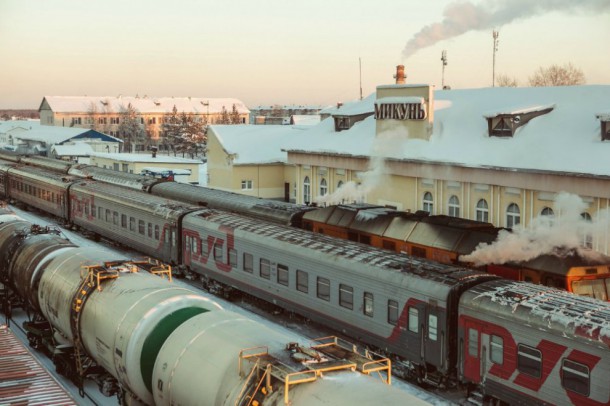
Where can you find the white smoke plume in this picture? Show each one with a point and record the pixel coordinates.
(464, 16)
(387, 143)
(566, 230)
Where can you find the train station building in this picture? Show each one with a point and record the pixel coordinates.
(500, 155)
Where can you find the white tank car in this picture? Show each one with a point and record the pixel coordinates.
(123, 324)
(211, 377)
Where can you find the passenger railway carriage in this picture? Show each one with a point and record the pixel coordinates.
(528, 344)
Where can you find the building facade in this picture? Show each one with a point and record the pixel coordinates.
(104, 114)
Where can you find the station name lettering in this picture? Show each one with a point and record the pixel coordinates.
(400, 111)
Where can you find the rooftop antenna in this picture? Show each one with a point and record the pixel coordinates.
(444, 59)
(360, 66)
(493, 70)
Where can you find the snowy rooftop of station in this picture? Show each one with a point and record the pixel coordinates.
(146, 104)
(568, 139)
(56, 135)
(6, 126)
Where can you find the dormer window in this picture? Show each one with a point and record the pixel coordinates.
(505, 124)
(341, 123)
(604, 121)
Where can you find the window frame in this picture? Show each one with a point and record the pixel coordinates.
(523, 355)
(283, 275)
(368, 304)
(346, 296)
(264, 268)
(428, 203)
(392, 312)
(323, 288)
(453, 206)
(302, 287)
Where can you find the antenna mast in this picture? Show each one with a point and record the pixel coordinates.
(444, 59)
(360, 66)
(493, 71)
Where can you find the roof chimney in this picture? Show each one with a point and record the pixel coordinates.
(400, 75)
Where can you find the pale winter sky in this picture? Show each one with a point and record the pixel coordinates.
(283, 51)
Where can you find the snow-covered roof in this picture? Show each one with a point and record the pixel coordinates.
(256, 144)
(311, 119)
(145, 105)
(518, 110)
(6, 126)
(567, 139)
(76, 149)
(56, 135)
(353, 108)
(145, 158)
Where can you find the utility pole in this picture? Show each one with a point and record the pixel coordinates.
(444, 59)
(360, 66)
(493, 70)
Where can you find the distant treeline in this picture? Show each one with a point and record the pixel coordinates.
(18, 113)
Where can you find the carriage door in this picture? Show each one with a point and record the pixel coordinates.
(472, 352)
(433, 337)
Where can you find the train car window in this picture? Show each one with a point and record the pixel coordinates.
(265, 268)
(87, 210)
(108, 216)
(323, 288)
(393, 312)
(194, 244)
(473, 342)
(413, 320)
(248, 263)
(529, 360)
(124, 220)
(418, 252)
(141, 227)
(204, 247)
(93, 210)
(187, 243)
(496, 351)
(282, 274)
(173, 238)
(368, 307)
(389, 245)
(218, 250)
(233, 258)
(432, 327)
(132, 224)
(157, 232)
(575, 377)
(302, 281)
(150, 230)
(100, 212)
(346, 296)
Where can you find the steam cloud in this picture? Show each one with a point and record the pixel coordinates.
(566, 229)
(386, 144)
(461, 17)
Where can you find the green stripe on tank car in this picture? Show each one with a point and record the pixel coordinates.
(156, 339)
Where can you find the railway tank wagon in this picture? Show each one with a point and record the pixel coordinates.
(402, 305)
(531, 344)
(156, 339)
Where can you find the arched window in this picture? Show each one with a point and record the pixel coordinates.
(339, 184)
(587, 238)
(306, 190)
(513, 215)
(454, 206)
(482, 211)
(428, 202)
(547, 211)
(323, 187)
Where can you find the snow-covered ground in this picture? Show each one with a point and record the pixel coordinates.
(297, 331)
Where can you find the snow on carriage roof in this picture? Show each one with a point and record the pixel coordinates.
(145, 104)
(567, 139)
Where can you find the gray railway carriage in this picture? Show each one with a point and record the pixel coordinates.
(138, 182)
(47, 163)
(534, 345)
(4, 167)
(39, 188)
(145, 223)
(264, 209)
(405, 306)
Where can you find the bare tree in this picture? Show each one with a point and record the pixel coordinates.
(506, 81)
(130, 130)
(555, 75)
(224, 116)
(234, 117)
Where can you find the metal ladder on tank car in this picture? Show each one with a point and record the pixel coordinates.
(268, 370)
